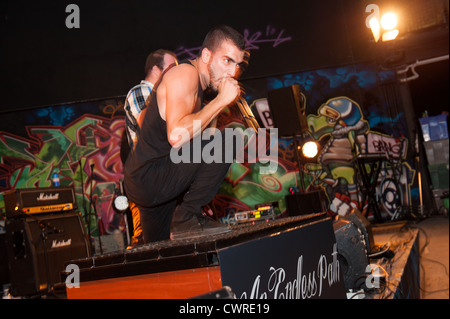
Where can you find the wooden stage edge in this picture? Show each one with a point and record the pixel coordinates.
(180, 284)
(154, 271)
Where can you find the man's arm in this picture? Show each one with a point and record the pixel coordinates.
(182, 106)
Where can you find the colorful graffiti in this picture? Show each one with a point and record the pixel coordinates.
(348, 139)
(85, 153)
(343, 133)
(344, 129)
(253, 40)
(345, 114)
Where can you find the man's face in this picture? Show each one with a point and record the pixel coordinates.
(225, 62)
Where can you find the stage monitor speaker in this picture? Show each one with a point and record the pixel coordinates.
(364, 226)
(311, 202)
(352, 254)
(38, 248)
(287, 106)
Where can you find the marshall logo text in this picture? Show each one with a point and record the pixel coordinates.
(61, 243)
(45, 197)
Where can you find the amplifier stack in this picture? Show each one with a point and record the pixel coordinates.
(44, 200)
(43, 232)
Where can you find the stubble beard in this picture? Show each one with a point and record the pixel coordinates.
(213, 79)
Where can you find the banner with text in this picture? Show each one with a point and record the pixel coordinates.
(301, 263)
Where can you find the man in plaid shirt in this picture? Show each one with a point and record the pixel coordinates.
(157, 62)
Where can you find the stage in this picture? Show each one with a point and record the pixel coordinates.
(291, 258)
(247, 260)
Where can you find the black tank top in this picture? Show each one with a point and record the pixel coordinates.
(152, 139)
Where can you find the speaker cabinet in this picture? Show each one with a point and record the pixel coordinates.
(287, 106)
(352, 254)
(38, 247)
(364, 226)
(306, 203)
(4, 270)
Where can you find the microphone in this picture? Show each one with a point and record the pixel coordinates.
(247, 114)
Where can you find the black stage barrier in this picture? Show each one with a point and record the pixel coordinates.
(294, 257)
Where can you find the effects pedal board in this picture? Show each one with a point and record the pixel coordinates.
(263, 213)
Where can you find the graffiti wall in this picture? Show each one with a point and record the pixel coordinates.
(79, 141)
(353, 113)
(350, 111)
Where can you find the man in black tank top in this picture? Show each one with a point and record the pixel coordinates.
(175, 118)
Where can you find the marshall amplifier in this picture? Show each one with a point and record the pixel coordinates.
(38, 248)
(39, 201)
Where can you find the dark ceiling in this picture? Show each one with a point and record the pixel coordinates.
(42, 62)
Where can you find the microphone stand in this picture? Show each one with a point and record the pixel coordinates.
(125, 215)
(45, 227)
(95, 211)
(84, 203)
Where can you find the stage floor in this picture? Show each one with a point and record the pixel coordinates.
(419, 268)
(425, 246)
(434, 257)
(399, 268)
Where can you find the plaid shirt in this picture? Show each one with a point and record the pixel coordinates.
(134, 104)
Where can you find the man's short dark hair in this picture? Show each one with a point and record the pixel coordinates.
(156, 58)
(222, 33)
